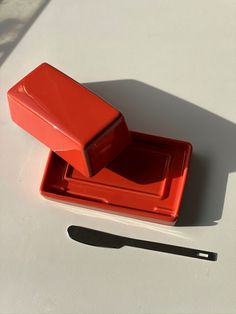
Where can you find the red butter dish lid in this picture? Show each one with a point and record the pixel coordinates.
(76, 124)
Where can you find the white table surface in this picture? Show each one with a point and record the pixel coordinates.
(170, 67)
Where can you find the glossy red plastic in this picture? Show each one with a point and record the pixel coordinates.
(145, 181)
(72, 121)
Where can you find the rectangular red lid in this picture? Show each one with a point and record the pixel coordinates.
(79, 126)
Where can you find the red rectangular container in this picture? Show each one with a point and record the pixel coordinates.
(145, 181)
(72, 121)
(95, 161)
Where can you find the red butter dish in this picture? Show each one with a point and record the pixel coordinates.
(76, 124)
(94, 160)
(145, 181)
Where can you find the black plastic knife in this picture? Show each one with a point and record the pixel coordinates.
(109, 240)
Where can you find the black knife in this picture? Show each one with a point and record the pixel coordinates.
(109, 240)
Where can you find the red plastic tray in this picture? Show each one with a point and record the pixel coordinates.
(145, 181)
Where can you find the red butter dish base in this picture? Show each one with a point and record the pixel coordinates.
(145, 181)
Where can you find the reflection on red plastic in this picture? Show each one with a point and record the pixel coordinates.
(145, 181)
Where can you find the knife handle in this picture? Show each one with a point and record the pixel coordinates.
(172, 249)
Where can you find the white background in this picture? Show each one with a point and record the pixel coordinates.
(170, 67)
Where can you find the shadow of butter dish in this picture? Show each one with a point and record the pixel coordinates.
(107, 240)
